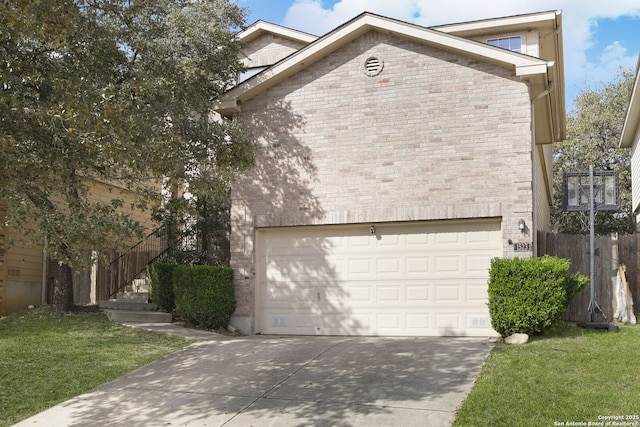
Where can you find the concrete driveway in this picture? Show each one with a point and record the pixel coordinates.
(287, 381)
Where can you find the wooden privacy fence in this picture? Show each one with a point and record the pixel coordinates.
(610, 252)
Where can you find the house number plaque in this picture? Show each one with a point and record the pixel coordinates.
(522, 247)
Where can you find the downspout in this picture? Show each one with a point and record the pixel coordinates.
(545, 92)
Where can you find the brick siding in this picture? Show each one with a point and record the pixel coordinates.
(436, 135)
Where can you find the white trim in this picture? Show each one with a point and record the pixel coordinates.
(631, 126)
(259, 27)
(523, 22)
(524, 65)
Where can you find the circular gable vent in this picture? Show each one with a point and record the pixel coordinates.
(373, 66)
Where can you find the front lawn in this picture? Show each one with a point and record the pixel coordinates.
(47, 358)
(570, 377)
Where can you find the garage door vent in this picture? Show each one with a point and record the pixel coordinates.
(279, 321)
(480, 322)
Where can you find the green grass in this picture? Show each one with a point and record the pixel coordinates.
(572, 375)
(47, 358)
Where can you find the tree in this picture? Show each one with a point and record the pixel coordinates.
(593, 134)
(119, 92)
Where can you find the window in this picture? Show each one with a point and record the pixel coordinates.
(511, 43)
(250, 72)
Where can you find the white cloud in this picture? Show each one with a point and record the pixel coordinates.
(310, 16)
(612, 59)
(579, 24)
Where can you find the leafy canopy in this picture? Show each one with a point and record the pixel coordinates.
(593, 134)
(116, 92)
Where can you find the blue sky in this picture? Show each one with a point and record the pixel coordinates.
(599, 36)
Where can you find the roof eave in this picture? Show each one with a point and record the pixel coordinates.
(500, 24)
(259, 27)
(524, 65)
(631, 127)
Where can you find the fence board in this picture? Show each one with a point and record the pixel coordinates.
(610, 251)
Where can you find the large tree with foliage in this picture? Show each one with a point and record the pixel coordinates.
(593, 133)
(113, 91)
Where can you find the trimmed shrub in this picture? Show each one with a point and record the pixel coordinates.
(204, 294)
(161, 285)
(530, 295)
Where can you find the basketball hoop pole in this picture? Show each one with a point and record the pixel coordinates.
(592, 244)
(607, 197)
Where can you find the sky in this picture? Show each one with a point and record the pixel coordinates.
(600, 36)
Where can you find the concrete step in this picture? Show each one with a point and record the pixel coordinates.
(125, 316)
(133, 296)
(130, 305)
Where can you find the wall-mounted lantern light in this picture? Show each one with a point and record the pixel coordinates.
(372, 230)
(522, 226)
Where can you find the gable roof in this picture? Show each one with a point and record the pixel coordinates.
(261, 27)
(515, 23)
(539, 72)
(631, 127)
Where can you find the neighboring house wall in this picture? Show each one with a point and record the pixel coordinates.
(105, 192)
(435, 136)
(23, 270)
(635, 175)
(630, 138)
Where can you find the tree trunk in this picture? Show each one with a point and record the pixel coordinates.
(62, 287)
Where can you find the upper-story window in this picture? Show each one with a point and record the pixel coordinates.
(250, 72)
(511, 43)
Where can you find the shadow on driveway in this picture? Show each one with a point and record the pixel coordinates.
(292, 381)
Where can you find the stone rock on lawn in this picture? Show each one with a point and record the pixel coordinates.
(517, 339)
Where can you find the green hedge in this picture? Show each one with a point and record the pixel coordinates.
(204, 294)
(161, 285)
(530, 295)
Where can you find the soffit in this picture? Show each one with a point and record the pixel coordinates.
(538, 21)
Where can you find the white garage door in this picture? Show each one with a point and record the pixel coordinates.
(414, 279)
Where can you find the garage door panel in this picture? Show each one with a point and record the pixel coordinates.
(448, 293)
(408, 279)
(417, 294)
(479, 237)
(389, 294)
(451, 239)
(391, 241)
(359, 242)
(360, 293)
(388, 266)
(479, 263)
(389, 321)
(448, 324)
(302, 268)
(359, 267)
(447, 264)
(417, 321)
(476, 293)
(417, 265)
(417, 240)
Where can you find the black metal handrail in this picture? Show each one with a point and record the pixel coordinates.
(130, 264)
